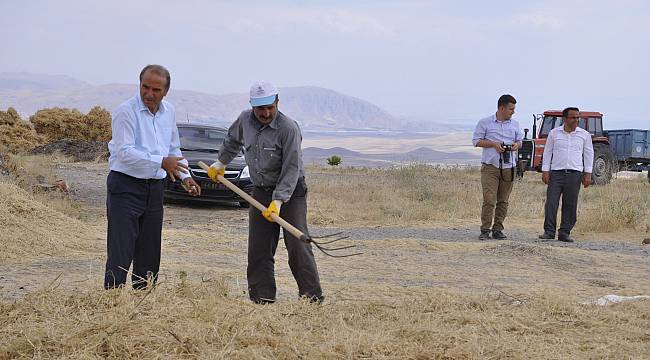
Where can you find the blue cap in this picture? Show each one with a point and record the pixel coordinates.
(263, 101)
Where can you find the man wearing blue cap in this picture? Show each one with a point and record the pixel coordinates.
(271, 143)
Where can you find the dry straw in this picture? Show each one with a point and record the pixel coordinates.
(183, 320)
(365, 315)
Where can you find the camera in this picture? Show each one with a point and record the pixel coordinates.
(505, 155)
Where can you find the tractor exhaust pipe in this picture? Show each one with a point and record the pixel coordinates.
(534, 135)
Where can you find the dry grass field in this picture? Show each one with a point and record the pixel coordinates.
(425, 287)
(421, 194)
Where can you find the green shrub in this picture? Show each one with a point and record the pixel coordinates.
(334, 160)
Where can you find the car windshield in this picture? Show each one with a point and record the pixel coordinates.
(198, 138)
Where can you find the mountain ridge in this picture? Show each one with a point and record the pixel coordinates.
(314, 108)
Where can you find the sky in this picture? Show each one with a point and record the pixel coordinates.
(437, 60)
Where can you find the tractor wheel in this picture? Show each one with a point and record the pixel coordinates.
(603, 165)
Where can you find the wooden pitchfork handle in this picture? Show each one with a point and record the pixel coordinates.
(285, 225)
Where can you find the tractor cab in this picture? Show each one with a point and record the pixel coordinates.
(590, 121)
(532, 150)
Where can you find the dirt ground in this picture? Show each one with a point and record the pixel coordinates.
(205, 241)
(420, 290)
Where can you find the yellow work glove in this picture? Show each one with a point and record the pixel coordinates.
(274, 208)
(216, 169)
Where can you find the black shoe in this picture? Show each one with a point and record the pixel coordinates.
(485, 235)
(547, 236)
(565, 238)
(498, 235)
(314, 299)
(263, 301)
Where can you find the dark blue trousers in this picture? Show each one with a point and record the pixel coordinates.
(565, 184)
(134, 209)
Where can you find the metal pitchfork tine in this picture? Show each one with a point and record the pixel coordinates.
(284, 224)
(326, 250)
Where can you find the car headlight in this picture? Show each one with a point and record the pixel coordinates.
(245, 174)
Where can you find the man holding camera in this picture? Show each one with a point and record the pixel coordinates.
(568, 160)
(500, 137)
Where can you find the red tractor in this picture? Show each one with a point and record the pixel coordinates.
(530, 155)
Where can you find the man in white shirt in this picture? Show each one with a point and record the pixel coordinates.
(145, 148)
(567, 161)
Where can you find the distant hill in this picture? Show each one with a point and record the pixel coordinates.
(313, 107)
(325, 153)
(429, 154)
(34, 82)
(317, 108)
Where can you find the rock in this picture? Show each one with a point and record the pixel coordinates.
(59, 185)
(646, 241)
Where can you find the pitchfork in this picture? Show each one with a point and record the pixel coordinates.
(285, 225)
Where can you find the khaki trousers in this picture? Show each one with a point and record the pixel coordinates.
(496, 191)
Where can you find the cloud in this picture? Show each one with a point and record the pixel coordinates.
(319, 19)
(538, 20)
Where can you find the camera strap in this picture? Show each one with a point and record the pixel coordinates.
(512, 169)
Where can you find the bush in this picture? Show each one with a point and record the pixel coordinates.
(98, 124)
(16, 135)
(334, 160)
(9, 117)
(61, 123)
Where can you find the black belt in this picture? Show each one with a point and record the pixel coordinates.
(138, 180)
(265, 188)
(271, 188)
(567, 171)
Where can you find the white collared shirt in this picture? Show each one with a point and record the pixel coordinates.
(568, 151)
(142, 139)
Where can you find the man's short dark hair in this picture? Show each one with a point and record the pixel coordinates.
(158, 70)
(506, 99)
(565, 112)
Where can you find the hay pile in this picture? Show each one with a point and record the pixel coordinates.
(182, 320)
(31, 229)
(16, 135)
(62, 123)
(90, 131)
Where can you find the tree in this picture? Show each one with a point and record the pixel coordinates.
(334, 160)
